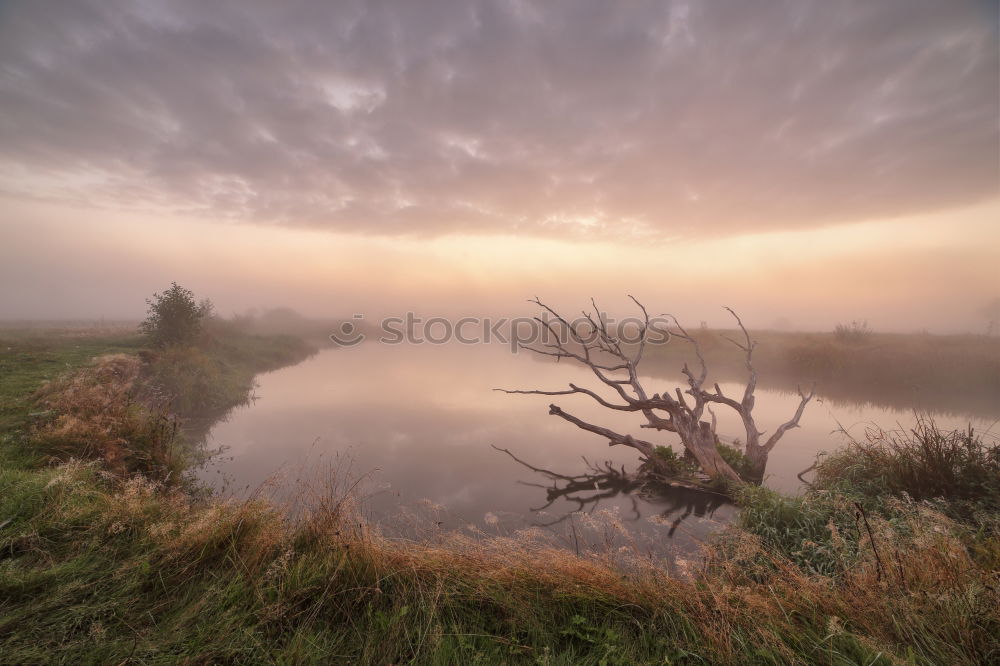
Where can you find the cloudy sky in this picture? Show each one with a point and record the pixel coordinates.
(812, 160)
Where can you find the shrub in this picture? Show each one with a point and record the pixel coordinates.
(854, 333)
(925, 463)
(735, 458)
(671, 463)
(190, 382)
(174, 318)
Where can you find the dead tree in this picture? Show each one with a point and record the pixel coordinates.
(681, 411)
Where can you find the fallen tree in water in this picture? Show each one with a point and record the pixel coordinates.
(615, 363)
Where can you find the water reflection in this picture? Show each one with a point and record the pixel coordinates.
(603, 482)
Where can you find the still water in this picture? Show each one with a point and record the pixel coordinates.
(416, 427)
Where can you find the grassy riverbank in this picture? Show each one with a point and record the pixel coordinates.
(100, 565)
(71, 393)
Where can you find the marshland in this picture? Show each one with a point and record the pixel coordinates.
(476, 332)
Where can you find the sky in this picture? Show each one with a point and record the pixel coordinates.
(806, 162)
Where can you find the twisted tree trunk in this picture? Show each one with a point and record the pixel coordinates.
(601, 351)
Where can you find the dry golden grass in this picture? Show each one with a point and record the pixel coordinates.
(95, 413)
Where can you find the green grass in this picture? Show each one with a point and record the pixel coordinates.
(100, 568)
(134, 414)
(206, 380)
(29, 358)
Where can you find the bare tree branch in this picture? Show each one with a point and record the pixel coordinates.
(574, 389)
(793, 422)
(613, 437)
(662, 412)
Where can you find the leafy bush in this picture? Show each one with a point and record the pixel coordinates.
(672, 464)
(735, 458)
(189, 382)
(174, 318)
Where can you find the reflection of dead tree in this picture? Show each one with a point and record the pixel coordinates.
(695, 502)
(606, 482)
(681, 411)
(586, 490)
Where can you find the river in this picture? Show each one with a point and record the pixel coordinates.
(415, 426)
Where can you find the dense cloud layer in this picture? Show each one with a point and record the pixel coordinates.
(576, 117)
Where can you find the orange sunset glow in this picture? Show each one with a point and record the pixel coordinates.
(794, 163)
